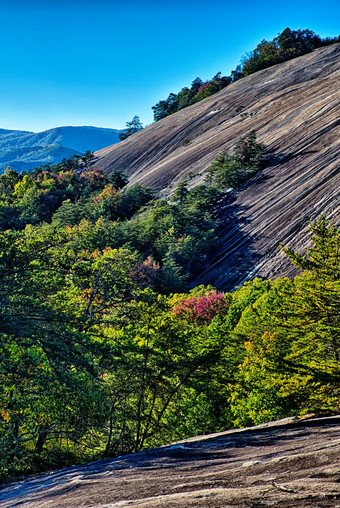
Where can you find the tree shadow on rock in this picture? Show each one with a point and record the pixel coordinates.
(234, 259)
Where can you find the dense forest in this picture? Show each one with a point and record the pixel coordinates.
(106, 350)
(287, 45)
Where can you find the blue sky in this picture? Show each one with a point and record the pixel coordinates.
(81, 62)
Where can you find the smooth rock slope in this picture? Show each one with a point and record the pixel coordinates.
(295, 109)
(285, 464)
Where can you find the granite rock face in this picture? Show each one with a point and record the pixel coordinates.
(295, 109)
(285, 463)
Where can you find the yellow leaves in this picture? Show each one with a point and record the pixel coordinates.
(264, 350)
(271, 343)
(141, 341)
(5, 415)
(48, 183)
(90, 293)
(22, 186)
(250, 347)
(108, 193)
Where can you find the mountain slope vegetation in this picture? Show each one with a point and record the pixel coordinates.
(110, 343)
(287, 45)
(104, 349)
(294, 109)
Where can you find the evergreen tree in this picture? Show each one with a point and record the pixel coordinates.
(134, 126)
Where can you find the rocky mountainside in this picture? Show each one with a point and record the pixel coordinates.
(285, 463)
(22, 150)
(294, 108)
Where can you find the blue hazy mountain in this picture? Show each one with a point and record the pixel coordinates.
(23, 150)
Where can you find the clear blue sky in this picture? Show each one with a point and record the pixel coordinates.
(100, 62)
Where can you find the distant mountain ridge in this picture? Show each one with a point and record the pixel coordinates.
(23, 150)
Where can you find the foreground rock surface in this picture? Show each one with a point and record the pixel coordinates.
(283, 463)
(295, 109)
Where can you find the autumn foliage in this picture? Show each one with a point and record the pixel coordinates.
(104, 348)
(202, 309)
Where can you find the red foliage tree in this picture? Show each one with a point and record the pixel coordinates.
(202, 309)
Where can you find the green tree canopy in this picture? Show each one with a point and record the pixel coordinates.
(133, 126)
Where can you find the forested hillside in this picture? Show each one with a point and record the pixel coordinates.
(130, 311)
(105, 351)
(287, 45)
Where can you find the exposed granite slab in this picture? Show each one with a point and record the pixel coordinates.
(285, 463)
(295, 109)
